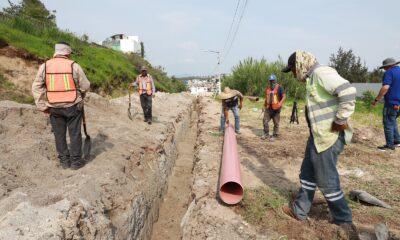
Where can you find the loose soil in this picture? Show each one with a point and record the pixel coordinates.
(178, 196)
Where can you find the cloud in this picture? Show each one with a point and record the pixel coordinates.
(188, 45)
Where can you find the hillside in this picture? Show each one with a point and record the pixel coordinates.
(109, 71)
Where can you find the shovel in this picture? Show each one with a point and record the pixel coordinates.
(129, 108)
(87, 145)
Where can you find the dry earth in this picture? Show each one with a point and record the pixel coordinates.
(275, 166)
(115, 196)
(161, 181)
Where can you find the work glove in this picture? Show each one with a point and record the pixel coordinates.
(338, 127)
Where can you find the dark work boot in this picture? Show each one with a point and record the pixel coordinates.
(348, 231)
(65, 162)
(76, 164)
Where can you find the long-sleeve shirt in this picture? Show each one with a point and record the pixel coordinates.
(235, 97)
(330, 98)
(143, 80)
(39, 88)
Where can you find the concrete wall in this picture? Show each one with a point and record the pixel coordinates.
(131, 44)
(362, 87)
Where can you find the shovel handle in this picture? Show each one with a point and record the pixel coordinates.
(84, 121)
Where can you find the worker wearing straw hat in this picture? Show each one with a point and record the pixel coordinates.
(231, 100)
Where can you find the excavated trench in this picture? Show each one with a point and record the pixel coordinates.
(178, 195)
(137, 185)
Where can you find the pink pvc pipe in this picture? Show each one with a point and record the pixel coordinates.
(230, 180)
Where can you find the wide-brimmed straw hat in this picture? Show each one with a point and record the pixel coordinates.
(227, 93)
(143, 68)
(388, 62)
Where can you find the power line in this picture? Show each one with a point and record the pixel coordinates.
(231, 27)
(236, 31)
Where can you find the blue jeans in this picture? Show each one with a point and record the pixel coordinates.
(235, 111)
(390, 116)
(319, 170)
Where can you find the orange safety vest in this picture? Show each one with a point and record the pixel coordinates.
(148, 86)
(60, 82)
(275, 97)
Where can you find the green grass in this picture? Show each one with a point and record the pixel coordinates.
(256, 202)
(106, 69)
(363, 116)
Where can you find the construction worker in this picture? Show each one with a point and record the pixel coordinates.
(391, 92)
(274, 98)
(231, 100)
(330, 101)
(59, 88)
(145, 84)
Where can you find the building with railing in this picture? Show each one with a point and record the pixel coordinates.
(123, 43)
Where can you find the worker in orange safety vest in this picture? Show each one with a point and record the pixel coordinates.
(274, 98)
(58, 89)
(146, 88)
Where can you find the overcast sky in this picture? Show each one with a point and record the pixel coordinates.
(174, 32)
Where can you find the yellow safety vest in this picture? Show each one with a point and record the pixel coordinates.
(323, 102)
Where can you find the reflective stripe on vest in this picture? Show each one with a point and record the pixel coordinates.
(148, 86)
(322, 106)
(60, 82)
(275, 97)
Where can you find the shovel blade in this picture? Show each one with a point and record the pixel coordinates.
(87, 146)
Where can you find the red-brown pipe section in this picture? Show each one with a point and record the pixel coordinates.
(230, 180)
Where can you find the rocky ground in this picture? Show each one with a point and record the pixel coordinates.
(115, 196)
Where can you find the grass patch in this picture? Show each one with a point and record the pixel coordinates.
(256, 203)
(365, 116)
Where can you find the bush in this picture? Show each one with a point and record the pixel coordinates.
(250, 77)
(368, 97)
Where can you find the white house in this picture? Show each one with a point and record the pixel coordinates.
(123, 43)
(198, 90)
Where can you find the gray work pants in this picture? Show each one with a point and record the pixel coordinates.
(275, 116)
(146, 102)
(62, 119)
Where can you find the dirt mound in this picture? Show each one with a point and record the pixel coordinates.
(366, 134)
(115, 196)
(19, 67)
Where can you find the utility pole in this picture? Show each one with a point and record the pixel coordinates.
(218, 65)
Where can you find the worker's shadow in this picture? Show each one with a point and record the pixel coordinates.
(273, 176)
(99, 145)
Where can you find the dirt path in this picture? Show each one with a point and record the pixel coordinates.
(270, 178)
(178, 196)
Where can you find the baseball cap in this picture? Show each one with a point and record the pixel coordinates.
(291, 63)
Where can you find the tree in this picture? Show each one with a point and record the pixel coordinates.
(142, 49)
(85, 38)
(349, 66)
(13, 9)
(34, 9)
(376, 75)
(250, 77)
